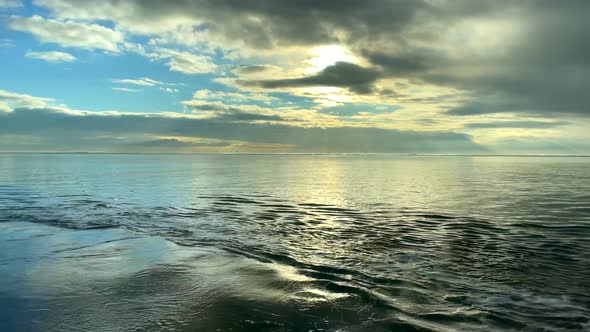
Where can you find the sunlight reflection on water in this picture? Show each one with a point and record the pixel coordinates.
(279, 242)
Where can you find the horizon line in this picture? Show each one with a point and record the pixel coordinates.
(301, 153)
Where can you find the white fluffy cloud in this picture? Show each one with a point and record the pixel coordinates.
(51, 56)
(129, 15)
(69, 33)
(127, 89)
(169, 90)
(187, 63)
(10, 100)
(146, 81)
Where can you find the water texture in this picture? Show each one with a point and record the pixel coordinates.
(294, 243)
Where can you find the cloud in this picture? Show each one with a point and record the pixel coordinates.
(51, 56)
(6, 43)
(187, 63)
(127, 89)
(77, 130)
(480, 108)
(465, 65)
(173, 143)
(516, 124)
(532, 59)
(146, 81)
(528, 55)
(398, 64)
(205, 94)
(10, 4)
(169, 90)
(223, 112)
(11, 100)
(251, 69)
(68, 33)
(341, 74)
(261, 24)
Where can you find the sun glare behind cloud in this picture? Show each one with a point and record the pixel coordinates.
(324, 56)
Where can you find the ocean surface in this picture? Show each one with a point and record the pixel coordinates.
(98, 242)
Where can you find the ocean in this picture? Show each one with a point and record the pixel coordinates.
(271, 242)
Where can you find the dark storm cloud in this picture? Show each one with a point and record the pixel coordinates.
(396, 64)
(272, 23)
(341, 74)
(479, 108)
(540, 91)
(545, 70)
(58, 128)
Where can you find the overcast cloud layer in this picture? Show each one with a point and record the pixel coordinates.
(400, 76)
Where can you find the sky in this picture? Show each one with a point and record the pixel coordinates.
(344, 76)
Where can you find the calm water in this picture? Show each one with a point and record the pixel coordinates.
(294, 243)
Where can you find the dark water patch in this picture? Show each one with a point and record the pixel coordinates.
(232, 199)
(313, 205)
(279, 206)
(430, 216)
(224, 211)
(85, 201)
(100, 226)
(225, 203)
(266, 216)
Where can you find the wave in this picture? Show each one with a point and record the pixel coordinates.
(422, 270)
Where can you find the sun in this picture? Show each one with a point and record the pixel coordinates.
(324, 56)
